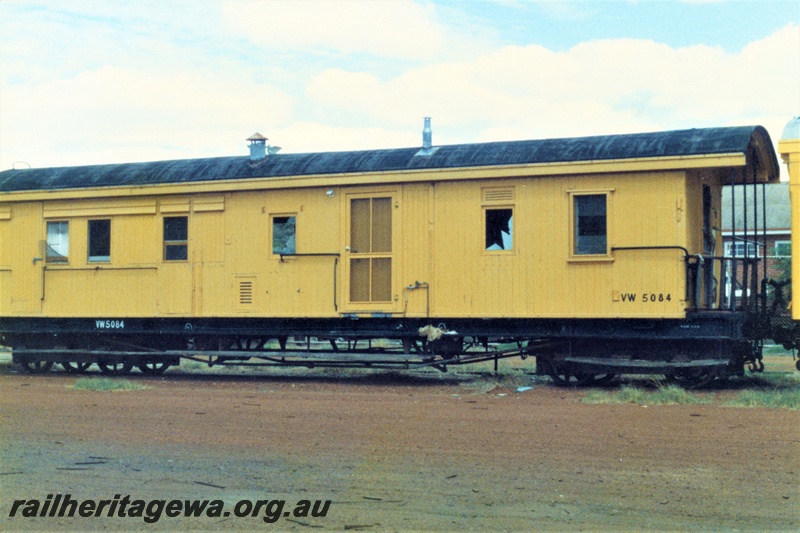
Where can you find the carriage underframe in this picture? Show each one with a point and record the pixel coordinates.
(694, 351)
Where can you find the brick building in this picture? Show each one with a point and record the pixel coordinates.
(778, 231)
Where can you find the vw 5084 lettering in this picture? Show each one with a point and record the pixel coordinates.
(646, 297)
(109, 324)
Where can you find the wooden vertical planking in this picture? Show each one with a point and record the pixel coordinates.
(439, 239)
(5, 259)
(415, 261)
(538, 279)
(26, 235)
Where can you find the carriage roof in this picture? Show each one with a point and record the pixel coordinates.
(745, 140)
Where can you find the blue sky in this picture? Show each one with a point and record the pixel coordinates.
(561, 25)
(85, 82)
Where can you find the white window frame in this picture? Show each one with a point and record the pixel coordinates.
(57, 247)
(784, 243)
(752, 248)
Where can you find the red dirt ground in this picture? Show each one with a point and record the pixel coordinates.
(396, 452)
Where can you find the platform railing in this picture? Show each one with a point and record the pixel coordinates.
(725, 283)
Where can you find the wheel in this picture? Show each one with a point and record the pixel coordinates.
(34, 366)
(559, 371)
(115, 368)
(583, 377)
(604, 379)
(586, 379)
(153, 368)
(76, 367)
(692, 378)
(565, 374)
(448, 347)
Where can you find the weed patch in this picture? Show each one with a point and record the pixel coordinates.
(778, 398)
(107, 385)
(668, 395)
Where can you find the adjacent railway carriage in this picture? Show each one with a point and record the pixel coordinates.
(597, 255)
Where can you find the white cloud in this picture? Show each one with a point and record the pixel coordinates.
(316, 136)
(48, 39)
(603, 86)
(79, 85)
(124, 113)
(390, 28)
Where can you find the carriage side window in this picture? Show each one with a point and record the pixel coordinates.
(99, 240)
(284, 235)
(57, 242)
(590, 228)
(499, 229)
(176, 238)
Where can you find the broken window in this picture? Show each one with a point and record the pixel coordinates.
(499, 229)
(284, 235)
(176, 238)
(57, 242)
(591, 232)
(99, 240)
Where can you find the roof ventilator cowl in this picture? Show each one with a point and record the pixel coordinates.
(427, 139)
(258, 146)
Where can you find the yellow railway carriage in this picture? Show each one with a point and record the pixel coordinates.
(597, 255)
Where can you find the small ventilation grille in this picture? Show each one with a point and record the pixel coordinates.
(245, 292)
(498, 194)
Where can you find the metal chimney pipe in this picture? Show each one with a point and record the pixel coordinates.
(427, 134)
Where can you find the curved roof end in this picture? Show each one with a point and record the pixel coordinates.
(767, 166)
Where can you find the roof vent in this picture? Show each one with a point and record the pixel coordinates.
(427, 134)
(427, 140)
(258, 146)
